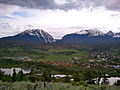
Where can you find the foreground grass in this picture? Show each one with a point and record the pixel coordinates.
(51, 86)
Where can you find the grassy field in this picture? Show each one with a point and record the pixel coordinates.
(62, 55)
(42, 54)
(51, 86)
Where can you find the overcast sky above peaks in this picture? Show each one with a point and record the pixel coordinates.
(58, 17)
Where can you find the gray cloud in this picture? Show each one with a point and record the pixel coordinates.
(70, 4)
(79, 4)
(112, 4)
(42, 4)
(6, 9)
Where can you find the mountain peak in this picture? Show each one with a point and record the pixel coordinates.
(32, 35)
(91, 32)
(110, 33)
(39, 34)
(34, 32)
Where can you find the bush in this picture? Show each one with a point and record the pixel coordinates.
(67, 79)
(80, 83)
(117, 83)
(32, 78)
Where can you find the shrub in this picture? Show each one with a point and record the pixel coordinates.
(80, 83)
(117, 83)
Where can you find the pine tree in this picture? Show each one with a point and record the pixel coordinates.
(20, 75)
(14, 75)
(1, 74)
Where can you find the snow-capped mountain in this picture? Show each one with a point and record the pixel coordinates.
(110, 33)
(90, 36)
(114, 35)
(91, 32)
(32, 35)
(117, 35)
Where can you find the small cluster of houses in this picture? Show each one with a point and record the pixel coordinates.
(103, 55)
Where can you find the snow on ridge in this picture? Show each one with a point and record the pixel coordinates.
(39, 33)
(117, 35)
(33, 32)
(82, 32)
(110, 33)
(91, 32)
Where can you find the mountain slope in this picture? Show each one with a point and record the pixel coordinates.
(91, 32)
(90, 36)
(117, 35)
(31, 35)
(110, 33)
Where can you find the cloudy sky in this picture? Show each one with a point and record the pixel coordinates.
(58, 17)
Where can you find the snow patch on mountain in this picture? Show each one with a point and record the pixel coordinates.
(117, 35)
(110, 33)
(82, 32)
(38, 33)
(91, 32)
(114, 35)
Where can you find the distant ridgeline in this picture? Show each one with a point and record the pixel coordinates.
(89, 37)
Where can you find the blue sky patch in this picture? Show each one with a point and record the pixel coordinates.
(5, 17)
(21, 14)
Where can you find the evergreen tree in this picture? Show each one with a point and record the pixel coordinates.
(67, 79)
(76, 77)
(32, 78)
(1, 75)
(46, 76)
(105, 80)
(20, 76)
(14, 76)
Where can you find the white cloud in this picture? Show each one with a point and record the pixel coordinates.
(60, 1)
